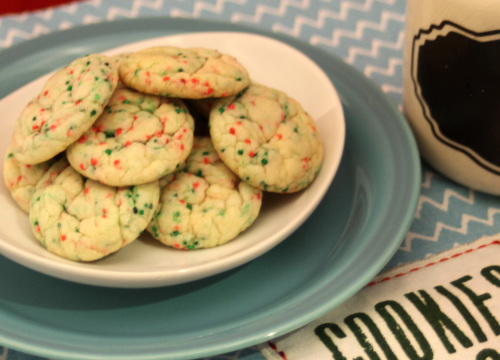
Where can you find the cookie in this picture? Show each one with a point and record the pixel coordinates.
(206, 205)
(21, 179)
(267, 139)
(83, 220)
(188, 73)
(138, 139)
(68, 104)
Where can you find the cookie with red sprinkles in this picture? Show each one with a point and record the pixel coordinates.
(68, 104)
(139, 138)
(21, 179)
(205, 205)
(83, 220)
(188, 73)
(267, 139)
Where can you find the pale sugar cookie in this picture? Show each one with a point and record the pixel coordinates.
(188, 73)
(83, 220)
(206, 205)
(139, 138)
(267, 139)
(68, 104)
(21, 179)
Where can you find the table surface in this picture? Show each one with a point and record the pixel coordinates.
(367, 34)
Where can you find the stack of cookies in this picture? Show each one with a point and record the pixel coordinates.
(176, 141)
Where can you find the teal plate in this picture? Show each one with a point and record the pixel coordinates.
(347, 240)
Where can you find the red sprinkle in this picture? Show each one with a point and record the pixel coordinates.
(93, 162)
(232, 131)
(82, 139)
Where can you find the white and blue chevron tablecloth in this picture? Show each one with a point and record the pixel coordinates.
(368, 34)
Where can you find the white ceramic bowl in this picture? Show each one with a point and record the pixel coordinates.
(147, 263)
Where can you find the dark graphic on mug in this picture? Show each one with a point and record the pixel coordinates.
(456, 74)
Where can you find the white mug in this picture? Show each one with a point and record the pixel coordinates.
(451, 87)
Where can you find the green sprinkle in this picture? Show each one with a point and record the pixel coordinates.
(109, 134)
(264, 161)
(240, 152)
(97, 97)
(126, 102)
(177, 217)
(189, 206)
(107, 151)
(221, 110)
(10, 155)
(199, 173)
(175, 233)
(70, 88)
(93, 112)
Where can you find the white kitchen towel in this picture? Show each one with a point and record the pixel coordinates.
(443, 307)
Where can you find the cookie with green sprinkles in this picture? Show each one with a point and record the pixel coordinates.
(83, 220)
(187, 73)
(267, 139)
(21, 179)
(68, 104)
(139, 138)
(206, 205)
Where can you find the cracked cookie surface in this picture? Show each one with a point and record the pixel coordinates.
(206, 205)
(188, 73)
(21, 179)
(267, 139)
(139, 138)
(83, 220)
(68, 104)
